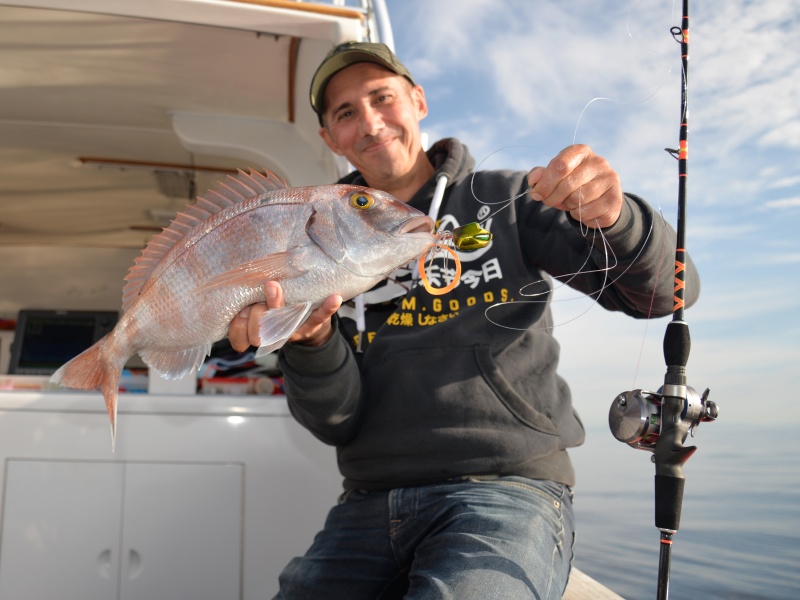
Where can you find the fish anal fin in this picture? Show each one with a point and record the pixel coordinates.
(275, 267)
(175, 364)
(278, 324)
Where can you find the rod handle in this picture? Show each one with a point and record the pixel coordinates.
(669, 499)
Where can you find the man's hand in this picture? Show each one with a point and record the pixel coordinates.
(243, 330)
(581, 182)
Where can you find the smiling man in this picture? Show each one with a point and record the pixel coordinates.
(373, 120)
(452, 431)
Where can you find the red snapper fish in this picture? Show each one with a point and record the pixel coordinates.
(194, 277)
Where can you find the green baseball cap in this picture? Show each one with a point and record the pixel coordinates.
(348, 54)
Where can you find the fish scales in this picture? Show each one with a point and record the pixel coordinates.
(193, 279)
(232, 241)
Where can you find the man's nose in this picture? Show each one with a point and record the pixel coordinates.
(371, 121)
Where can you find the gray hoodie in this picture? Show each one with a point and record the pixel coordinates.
(439, 391)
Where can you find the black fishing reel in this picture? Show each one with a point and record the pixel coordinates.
(635, 416)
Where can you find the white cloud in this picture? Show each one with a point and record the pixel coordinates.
(521, 49)
(783, 203)
(748, 73)
(547, 61)
(787, 134)
(441, 29)
(709, 230)
(782, 182)
(784, 258)
(733, 303)
(422, 68)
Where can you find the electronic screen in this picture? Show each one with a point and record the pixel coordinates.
(46, 339)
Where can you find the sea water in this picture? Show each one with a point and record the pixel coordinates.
(739, 536)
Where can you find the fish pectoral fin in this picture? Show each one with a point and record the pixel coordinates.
(278, 324)
(255, 273)
(175, 364)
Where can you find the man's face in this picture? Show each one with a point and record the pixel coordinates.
(372, 118)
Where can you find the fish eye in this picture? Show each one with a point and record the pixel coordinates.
(361, 200)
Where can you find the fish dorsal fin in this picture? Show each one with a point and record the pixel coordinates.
(236, 189)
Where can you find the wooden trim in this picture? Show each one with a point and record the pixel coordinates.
(320, 9)
(294, 47)
(153, 166)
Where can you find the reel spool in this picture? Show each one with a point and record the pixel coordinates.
(635, 416)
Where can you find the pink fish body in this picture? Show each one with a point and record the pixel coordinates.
(193, 278)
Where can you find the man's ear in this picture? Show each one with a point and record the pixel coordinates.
(420, 102)
(326, 135)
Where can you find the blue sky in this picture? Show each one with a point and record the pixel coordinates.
(517, 81)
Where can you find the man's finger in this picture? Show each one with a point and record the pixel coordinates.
(256, 312)
(237, 331)
(273, 292)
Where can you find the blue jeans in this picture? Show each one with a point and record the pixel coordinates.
(508, 538)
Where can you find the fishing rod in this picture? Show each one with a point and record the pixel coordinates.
(659, 422)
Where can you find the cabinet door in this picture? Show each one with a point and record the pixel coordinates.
(60, 530)
(182, 531)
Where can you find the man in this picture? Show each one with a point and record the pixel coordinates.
(451, 429)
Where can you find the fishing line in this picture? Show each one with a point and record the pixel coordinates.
(508, 201)
(610, 259)
(563, 280)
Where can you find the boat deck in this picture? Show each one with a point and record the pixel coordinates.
(582, 587)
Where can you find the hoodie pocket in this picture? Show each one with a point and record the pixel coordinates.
(516, 404)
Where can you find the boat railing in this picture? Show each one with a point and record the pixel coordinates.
(373, 13)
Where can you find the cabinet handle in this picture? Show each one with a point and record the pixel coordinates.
(134, 564)
(104, 564)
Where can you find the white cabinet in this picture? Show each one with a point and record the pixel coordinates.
(126, 530)
(47, 507)
(205, 497)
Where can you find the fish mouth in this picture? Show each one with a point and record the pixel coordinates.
(414, 225)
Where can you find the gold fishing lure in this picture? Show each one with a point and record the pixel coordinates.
(466, 238)
(471, 237)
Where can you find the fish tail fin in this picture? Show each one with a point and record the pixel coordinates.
(91, 370)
